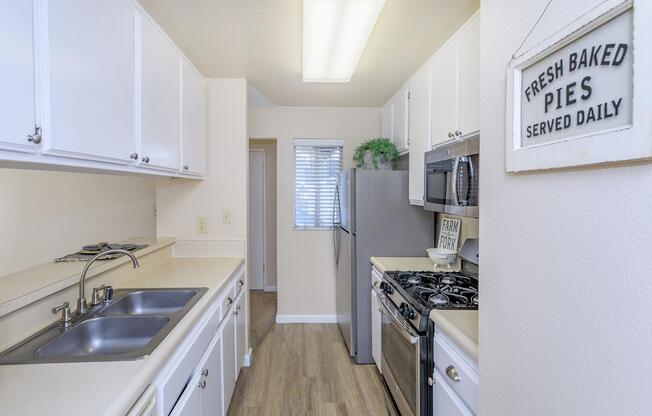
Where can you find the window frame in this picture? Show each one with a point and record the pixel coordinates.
(310, 143)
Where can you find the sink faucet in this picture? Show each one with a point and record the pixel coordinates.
(81, 302)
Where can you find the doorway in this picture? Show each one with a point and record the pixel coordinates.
(257, 220)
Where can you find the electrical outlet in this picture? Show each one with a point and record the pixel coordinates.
(202, 225)
(226, 217)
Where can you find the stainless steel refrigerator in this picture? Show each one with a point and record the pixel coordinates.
(372, 217)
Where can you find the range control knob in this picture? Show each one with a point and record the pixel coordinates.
(387, 289)
(406, 311)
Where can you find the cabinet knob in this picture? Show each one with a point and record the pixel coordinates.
(204, 372)
(186, 167)
(229, 300)
(450, 134)
(36, 137)
(458, 133)
(202, 384)
(451, 372)
(241, 283)
(133, 156)
(66, 318)
(146, 159)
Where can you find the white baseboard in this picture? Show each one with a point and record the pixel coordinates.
(270, 288)
(246, 362)
(306, 319)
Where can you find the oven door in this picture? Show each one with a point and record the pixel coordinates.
(400, 362)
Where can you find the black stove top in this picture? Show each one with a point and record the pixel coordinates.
(433, 290)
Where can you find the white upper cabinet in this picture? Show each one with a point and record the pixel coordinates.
(400, 117)
(419, 126)
(87, 63)
(17, 92)
(444, 110)
(193, 120)
(469, 47)
(455, 75)
(159, 76)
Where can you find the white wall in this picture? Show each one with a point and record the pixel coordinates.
(180, 202)
(566, 270)
(306, 277)
(44, 215)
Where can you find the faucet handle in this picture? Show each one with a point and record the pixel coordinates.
(65, 313)
(108, 294)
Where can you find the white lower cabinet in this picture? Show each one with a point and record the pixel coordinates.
(199, 378)
(446, 402)
(240, 333)
(376, 318)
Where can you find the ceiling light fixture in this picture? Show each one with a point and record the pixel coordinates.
(335, 32)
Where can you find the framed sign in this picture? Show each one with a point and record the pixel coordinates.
(449, 233)
(583, 96)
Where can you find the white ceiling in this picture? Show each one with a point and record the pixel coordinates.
(261, 40)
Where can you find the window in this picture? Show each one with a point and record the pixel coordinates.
(316, 165)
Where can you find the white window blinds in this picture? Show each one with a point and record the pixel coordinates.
(316, 165)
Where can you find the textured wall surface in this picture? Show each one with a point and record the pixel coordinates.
(566, 274)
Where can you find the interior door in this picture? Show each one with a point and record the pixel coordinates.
(88, 62)
(160, 99)
(256, 241)
(17, 99)
(344, 281)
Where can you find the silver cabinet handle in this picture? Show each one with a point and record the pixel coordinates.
(431, 381)
(204, 372)
(450, 134)
(186, 167)
(146, 159)
(241, 283)
(133, 156)
(458, 133)
(229, 300)
(451, 372)
(202, 384)
(36, 137)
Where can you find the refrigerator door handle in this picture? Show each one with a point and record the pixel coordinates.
(334, 226)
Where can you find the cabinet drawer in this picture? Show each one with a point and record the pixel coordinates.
(456, 371)
(446, 402)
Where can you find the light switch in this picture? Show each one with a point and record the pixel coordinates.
(226, 217)
(202, 225)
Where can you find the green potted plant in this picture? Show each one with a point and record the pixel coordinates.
(378, 153)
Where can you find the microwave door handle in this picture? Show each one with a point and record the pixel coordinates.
(454, 185)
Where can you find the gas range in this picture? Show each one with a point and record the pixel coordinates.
(415, 294)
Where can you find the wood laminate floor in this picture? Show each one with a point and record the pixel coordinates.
(262, 307)
(305, 369)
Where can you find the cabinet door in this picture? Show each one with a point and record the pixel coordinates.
(88, 79)
(400, 120)
(211, 371)
(419, 126)
(444, 95)
(160, 99)
(445, 401)
(376, 328)
(17, 106)
(469, 50)
(240, 333)
(189, 403)
(388, 115)
(229, 360)
(193, 113)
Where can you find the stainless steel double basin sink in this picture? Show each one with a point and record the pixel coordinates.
(127, 328)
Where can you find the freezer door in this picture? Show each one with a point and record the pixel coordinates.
(346, 199)
(344, 280)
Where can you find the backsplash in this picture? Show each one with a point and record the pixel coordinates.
(45, 215)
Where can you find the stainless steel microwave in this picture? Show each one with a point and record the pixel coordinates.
(451, 178)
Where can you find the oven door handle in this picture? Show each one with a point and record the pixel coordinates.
(402, 328)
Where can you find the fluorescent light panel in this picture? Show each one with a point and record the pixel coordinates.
(335, 32)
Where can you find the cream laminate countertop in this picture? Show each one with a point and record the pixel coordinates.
(460, 326)
(111, 388)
